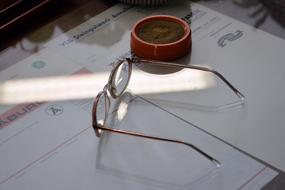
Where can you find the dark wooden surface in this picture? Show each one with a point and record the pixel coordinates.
(40, 27)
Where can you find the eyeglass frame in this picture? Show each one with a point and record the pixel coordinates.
(109, 89)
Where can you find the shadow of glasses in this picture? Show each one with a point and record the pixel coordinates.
(124, 157)
(185, 79)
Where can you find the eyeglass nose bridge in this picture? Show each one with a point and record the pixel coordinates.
(107, 88)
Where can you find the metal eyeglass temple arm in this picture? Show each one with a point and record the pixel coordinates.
(214, 161)
(161, 63)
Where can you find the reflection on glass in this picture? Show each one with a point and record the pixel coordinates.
(88, 85)
(263, 9)
(122, 110)
(186, 80)
(51, 88)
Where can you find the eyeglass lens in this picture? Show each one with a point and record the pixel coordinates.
(101, 109)
(119, 82)
(121, 78)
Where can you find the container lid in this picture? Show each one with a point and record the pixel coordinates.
(161, 37)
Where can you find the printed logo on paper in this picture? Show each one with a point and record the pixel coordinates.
(54, 110)
(38, 64)
(223, 41)
(16, 113)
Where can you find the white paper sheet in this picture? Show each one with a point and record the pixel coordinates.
(250, 58)
(54, 147)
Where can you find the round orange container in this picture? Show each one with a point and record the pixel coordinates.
(161, 37)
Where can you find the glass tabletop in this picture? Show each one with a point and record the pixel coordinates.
(255, 68)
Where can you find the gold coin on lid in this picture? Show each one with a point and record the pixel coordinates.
(160, 32)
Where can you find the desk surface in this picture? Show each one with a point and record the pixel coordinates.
(261, 138)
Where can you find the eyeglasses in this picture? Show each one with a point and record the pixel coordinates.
(118, 82)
